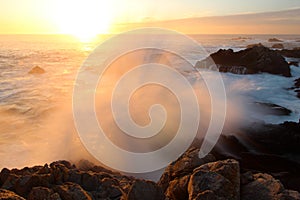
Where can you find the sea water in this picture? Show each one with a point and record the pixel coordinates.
(36, 124)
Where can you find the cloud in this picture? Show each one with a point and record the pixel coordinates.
(279, 22)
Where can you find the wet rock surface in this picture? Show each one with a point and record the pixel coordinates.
(296, 87)
(265, 148)
(252, 60)
(274, 40)
(37, 70)
(189, 177)
(294, 53)
(278, 46)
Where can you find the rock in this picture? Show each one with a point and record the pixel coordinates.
(217, 180)
(297, 83)
(270, 109)
(145, 190)
(254, 45)
(37, 70)
(289, 195)
(9, 195)
(59, 171)
(184, 165)
(71, 191)
(43, 193)
(276, 138)
(109, 189)
(178, 188)
(295, 53)
(293, 63)
(278, 46)
(242, 38)
(25, 183)
(64, 163)
(265, 187)
(4, 175)
(85, 165)
(274, 40)
(187, 178)
(233, 147)
(296, 87)
(246, 178)
(249, 61)
(90, 181)
(10, 182)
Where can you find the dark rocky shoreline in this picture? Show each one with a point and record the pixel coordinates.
(260, 170)
(252, 60)
(187, 178)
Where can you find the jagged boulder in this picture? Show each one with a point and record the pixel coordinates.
(265, 187)
(184, 165)
(71, 191)
(254, 45)
(37, 70)
(43, 193)
(146, 190)
(9, 195)
(274, 40)
(278, 46)
(249, 61)
(294, 53)
(216, 180)
(293, 63)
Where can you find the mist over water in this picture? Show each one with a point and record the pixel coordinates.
(37, 125)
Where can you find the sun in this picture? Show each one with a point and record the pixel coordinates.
(83, 19)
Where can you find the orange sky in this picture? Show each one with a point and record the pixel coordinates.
(90, 17)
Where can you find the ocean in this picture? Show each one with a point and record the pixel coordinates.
(36, 124)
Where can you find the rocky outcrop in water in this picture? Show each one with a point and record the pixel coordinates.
(265, 148)
(37, 70)
(254, 45)
(249, 61)
(189, 177)
(294, 53)
(274, 40)
(293, 63)
(278, 46)
(297, 87)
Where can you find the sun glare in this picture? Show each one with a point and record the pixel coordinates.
(83, 19)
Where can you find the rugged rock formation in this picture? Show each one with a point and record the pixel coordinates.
(217, 180)
(145, 190)
(274, 40)
(242, 38)
(278, 46)
(9, 195)
(295, 53)
(268, 187)
(187, 178)
(254, 45)
(270, 109)
(37, 70)
(297, 87)
(294, 63)
(263, 148)
(249, 61)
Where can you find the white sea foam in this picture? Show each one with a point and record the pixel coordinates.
(36, 123)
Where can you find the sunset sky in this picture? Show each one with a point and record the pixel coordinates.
(97, 16)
